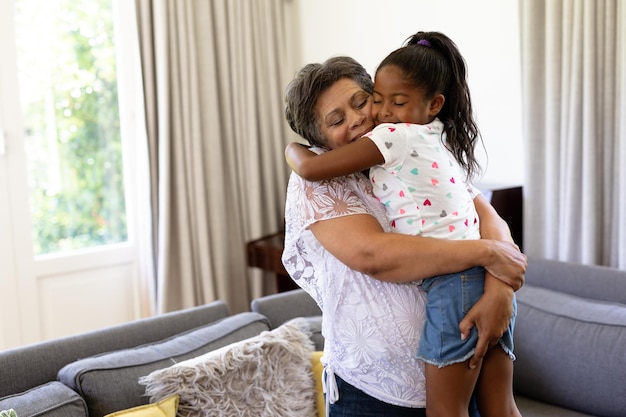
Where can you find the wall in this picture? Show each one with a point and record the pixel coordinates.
(486, 31)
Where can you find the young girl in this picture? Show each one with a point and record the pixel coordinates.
(421, 156)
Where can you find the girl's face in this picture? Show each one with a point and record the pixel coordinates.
(397, 100)
(344, 111)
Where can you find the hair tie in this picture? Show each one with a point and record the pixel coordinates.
(424, 42)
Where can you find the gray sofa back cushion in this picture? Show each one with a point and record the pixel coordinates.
(587, 281)
(110, 382)
(48, 400)
(30, 366)
(281, 307)
(555, 330)
(284, 306)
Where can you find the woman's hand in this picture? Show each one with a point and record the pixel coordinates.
(491, 316)
(507, 263)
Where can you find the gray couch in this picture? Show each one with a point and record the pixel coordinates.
(96, 373)
(570, 339)
(570, 343)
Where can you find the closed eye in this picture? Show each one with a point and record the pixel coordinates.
(359, 100)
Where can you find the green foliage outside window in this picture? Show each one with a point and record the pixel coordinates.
(68, 85)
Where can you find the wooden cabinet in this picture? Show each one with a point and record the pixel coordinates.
(509, 203)
(265, 253)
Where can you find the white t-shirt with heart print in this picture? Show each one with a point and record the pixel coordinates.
(423, 188)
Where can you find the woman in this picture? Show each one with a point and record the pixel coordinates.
(337, 248)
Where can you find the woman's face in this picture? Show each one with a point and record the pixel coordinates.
(344, 111)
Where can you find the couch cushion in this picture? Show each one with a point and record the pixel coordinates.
(570, 351)
(37, 364)
(532, 408)
(284, 306)
(109, 382)
(317, 368)
(264, 376)
(49, 400)
(588, 281)
(315, 326)
(167, 407)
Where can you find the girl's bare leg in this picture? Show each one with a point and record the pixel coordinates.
(449, 389)
(494, 389)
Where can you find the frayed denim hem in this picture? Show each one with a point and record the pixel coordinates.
(443, 364)
(506, 350)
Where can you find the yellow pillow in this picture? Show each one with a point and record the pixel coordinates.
(167, 407)
(318, 368)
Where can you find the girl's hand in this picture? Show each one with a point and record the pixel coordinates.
(491, 316)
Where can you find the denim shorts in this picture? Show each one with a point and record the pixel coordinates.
(449, 298)
(353, 402)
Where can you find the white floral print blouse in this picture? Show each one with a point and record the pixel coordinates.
(371, 328)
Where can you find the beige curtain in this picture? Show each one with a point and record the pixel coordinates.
(574, 92)
(213, 77)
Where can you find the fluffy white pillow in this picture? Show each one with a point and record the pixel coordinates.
(266, 375)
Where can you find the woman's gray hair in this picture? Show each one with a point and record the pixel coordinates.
(303, 92)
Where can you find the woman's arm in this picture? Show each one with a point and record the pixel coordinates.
(353, 157)
(360, 242)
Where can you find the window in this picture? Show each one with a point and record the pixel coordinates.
(69, 102)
